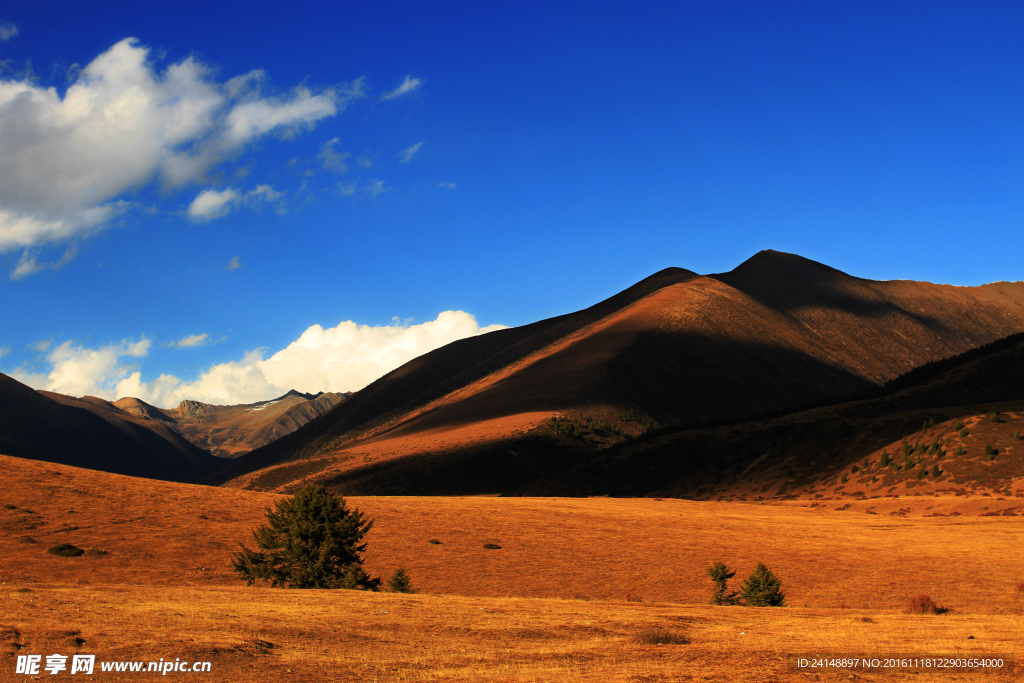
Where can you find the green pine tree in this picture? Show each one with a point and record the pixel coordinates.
(763, 589)
(311, 540)
(720, 574)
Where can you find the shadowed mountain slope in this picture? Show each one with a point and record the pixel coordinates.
(777, 332)
(95, 434)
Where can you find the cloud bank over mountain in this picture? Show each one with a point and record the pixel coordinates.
(346, 357)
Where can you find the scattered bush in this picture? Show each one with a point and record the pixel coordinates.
(8, 506)
(492, 546)
(203, 517)
(26, 539)
(720, 574)
(1017, 436)
(936, 472)
(922, 604)
(855, 469)
(960, 450)
(96, 552)
(763, 589)
(907, 449)
(922, 473)
(311, 541)
(633, 597)
(991, 452)
(660, 636)
(957, 426)
(400, 583)
(964, 433)
(66, 550)
(885, 459)
(994, 416)
(435, 541)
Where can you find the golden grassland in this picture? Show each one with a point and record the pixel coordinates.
(549, 605)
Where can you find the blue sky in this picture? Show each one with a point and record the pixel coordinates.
(382, 163)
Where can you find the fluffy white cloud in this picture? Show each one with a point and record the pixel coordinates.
(78, 371)
(210, 204)
(7, 31)
(342, 358)
(408, 154)
(120, 125)
(234, 265)
(408, 85)
(332, 160)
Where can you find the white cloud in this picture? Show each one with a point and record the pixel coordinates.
(450, 186)
(210, 204)
(332, 160)
(28, 265)
(234, 265)
(408, 154)
(377, 187)
(121, 125)
(41, 346)
(78, 371)
(342, 358)
(408, 85)
(7, 31)
(192, 340)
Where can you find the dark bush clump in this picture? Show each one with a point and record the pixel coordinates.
(922, 604)
(633, 597)
(66, 550)
(435, 541)
(96, 552)
(991, 452)
(492, 546)
(957, 426)
(8, 506)
(1017, 436)
(660, 636)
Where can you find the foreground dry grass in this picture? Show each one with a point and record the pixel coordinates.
(269, 635)
(165, 588)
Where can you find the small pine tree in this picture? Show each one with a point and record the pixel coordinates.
(720, 574)
(763, 589)
(994, 416)
(936, 471)
(885, 460)
(400, 583)
(1017, 436)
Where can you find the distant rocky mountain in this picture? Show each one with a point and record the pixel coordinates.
(230, 431)
(776, 333)
(92, 433)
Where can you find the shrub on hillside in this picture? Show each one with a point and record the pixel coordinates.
(929, 423)
(991, 451)
(964, 433)
(660, 636)
(311, 540)
(885, 460)
(400, 583)
(994, 416)
(763, 589)
(957, 426)
(936, 472)
(960, 450)
(922, 604)
(1017, 436)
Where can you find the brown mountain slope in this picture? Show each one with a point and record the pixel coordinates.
(94, 434)
(808, 453)
(777, 332)
(230, 431)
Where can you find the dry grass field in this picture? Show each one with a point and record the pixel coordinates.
(549, 605)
